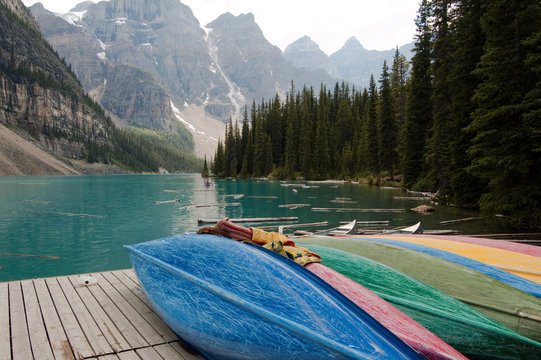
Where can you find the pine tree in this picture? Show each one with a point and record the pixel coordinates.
(260, 146)
(230, 166)
(321, 159)
(507, 116)
(292, 135)
(205, 173)
(399, 76)
(388, 124)
(362, 148)
(306, 132)
(419, 107)
(275, 129)
(344, 123)
(442, 131)
(465, 188)
(347, 162)
(219, 160)
(371, 130)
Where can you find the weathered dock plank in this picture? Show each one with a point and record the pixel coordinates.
(61, 318)
(5, 353)
(105, 325)
(57, 336)
(112, 308)
(134, 297)
(95, 337)
(77, 340)
(140, 330)
(36, 328)
(19, 331)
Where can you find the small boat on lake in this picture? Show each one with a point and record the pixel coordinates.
(231, 300)
(413, 229)
(467, 330)
(509, 306)
(346, 229)
(349, 228)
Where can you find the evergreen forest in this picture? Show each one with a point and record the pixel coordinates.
(462, 118)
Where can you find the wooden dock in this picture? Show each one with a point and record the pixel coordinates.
(60, 318)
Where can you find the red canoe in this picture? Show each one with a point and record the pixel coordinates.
(411, 332)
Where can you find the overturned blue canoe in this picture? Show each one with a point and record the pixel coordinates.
(231, 300)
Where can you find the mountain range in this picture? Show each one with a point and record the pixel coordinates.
(151, 64)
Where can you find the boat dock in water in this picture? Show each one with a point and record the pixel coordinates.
(102, 316)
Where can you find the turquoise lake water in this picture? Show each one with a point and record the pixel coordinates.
(86, 220)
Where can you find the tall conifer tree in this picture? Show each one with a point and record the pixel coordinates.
(504, 151)
(388, 125)
(371, 130)
(419, 107)
(465, 187)
(321, 159)
(442, 131)
(399, 76)
(306, 133)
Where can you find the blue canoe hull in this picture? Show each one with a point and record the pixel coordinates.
(231, 300)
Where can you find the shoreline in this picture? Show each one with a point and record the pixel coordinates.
(20, 156)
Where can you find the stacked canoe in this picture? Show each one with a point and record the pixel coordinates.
(371, 297)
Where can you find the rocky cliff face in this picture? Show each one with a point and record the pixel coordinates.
(38, 93)
(220, 68)
(136, 96)
(72, 42)
(162, 38)
(252, 63)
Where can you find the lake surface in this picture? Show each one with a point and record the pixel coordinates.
(86, 220)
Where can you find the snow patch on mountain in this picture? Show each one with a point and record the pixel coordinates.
(234, 94)
(176, 111)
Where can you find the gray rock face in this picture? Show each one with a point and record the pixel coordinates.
(221, 70)
(161, 37)
(131, 93)
(352, 63)
(305, 53)
(80, 49)
(38, 93)
(256, 66)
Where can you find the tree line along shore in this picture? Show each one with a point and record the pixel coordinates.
(463, 118)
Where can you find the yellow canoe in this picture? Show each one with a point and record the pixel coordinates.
(523, 265)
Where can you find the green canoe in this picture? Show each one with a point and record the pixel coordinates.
(511, 307)
(467, 330)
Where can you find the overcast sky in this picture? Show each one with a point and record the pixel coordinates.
(377, 24)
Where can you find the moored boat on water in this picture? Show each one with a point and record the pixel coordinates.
(231, 300)
(413, 229)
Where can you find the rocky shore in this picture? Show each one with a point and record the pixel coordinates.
(22, 156)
